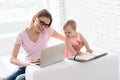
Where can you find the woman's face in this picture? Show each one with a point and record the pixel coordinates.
(69, 32)
(41, 24)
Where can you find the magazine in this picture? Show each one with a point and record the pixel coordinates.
(86, 56)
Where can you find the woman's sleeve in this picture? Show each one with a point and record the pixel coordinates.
(19, 39)
(51, 31)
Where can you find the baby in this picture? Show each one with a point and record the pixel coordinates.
(74, 40)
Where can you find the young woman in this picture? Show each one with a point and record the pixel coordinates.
(33, 39)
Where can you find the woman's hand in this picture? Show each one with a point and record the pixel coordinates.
(26, 64)
(35, 60)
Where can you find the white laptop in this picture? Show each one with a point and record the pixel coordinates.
(52, 54)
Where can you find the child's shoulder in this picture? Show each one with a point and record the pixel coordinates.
(79, 34)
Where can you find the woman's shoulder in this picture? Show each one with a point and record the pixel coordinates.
(22, 32)
(49, 30)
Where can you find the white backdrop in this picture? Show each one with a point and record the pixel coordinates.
(97, 20)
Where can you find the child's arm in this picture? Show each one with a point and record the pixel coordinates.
(72, 50)
(86, 44)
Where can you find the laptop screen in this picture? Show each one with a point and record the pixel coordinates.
(52, 54)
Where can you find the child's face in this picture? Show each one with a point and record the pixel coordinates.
(69, 32)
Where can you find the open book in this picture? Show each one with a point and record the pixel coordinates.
(86, 56)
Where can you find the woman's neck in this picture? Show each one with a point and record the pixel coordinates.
(32, 30)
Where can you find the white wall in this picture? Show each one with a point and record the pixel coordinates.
(54, 7)
(97, 20)
(11, 29)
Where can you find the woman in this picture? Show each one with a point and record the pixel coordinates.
(33, 39)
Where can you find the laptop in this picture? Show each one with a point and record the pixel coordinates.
(52, 55)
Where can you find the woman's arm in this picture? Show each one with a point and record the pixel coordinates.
(14, 55)
(61, 37)
(58, 36)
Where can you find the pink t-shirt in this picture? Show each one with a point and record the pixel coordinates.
(74, 41)
(33, 49)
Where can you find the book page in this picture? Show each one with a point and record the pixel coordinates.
(97, 53)
(85, 56)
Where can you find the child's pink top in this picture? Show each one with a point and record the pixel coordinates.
(74, 41)
(33, 49)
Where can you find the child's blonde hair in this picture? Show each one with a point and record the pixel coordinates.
(72, 23)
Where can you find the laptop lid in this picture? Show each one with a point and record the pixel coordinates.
(52, 54)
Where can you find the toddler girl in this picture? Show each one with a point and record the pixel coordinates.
(74, 40)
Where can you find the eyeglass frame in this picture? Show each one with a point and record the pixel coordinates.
(42, 23)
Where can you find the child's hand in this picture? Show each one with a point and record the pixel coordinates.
(89, 50)
(77, 48)
(80, 53)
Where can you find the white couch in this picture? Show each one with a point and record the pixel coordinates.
(104, 68)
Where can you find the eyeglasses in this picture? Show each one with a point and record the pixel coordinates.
(42, 23)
